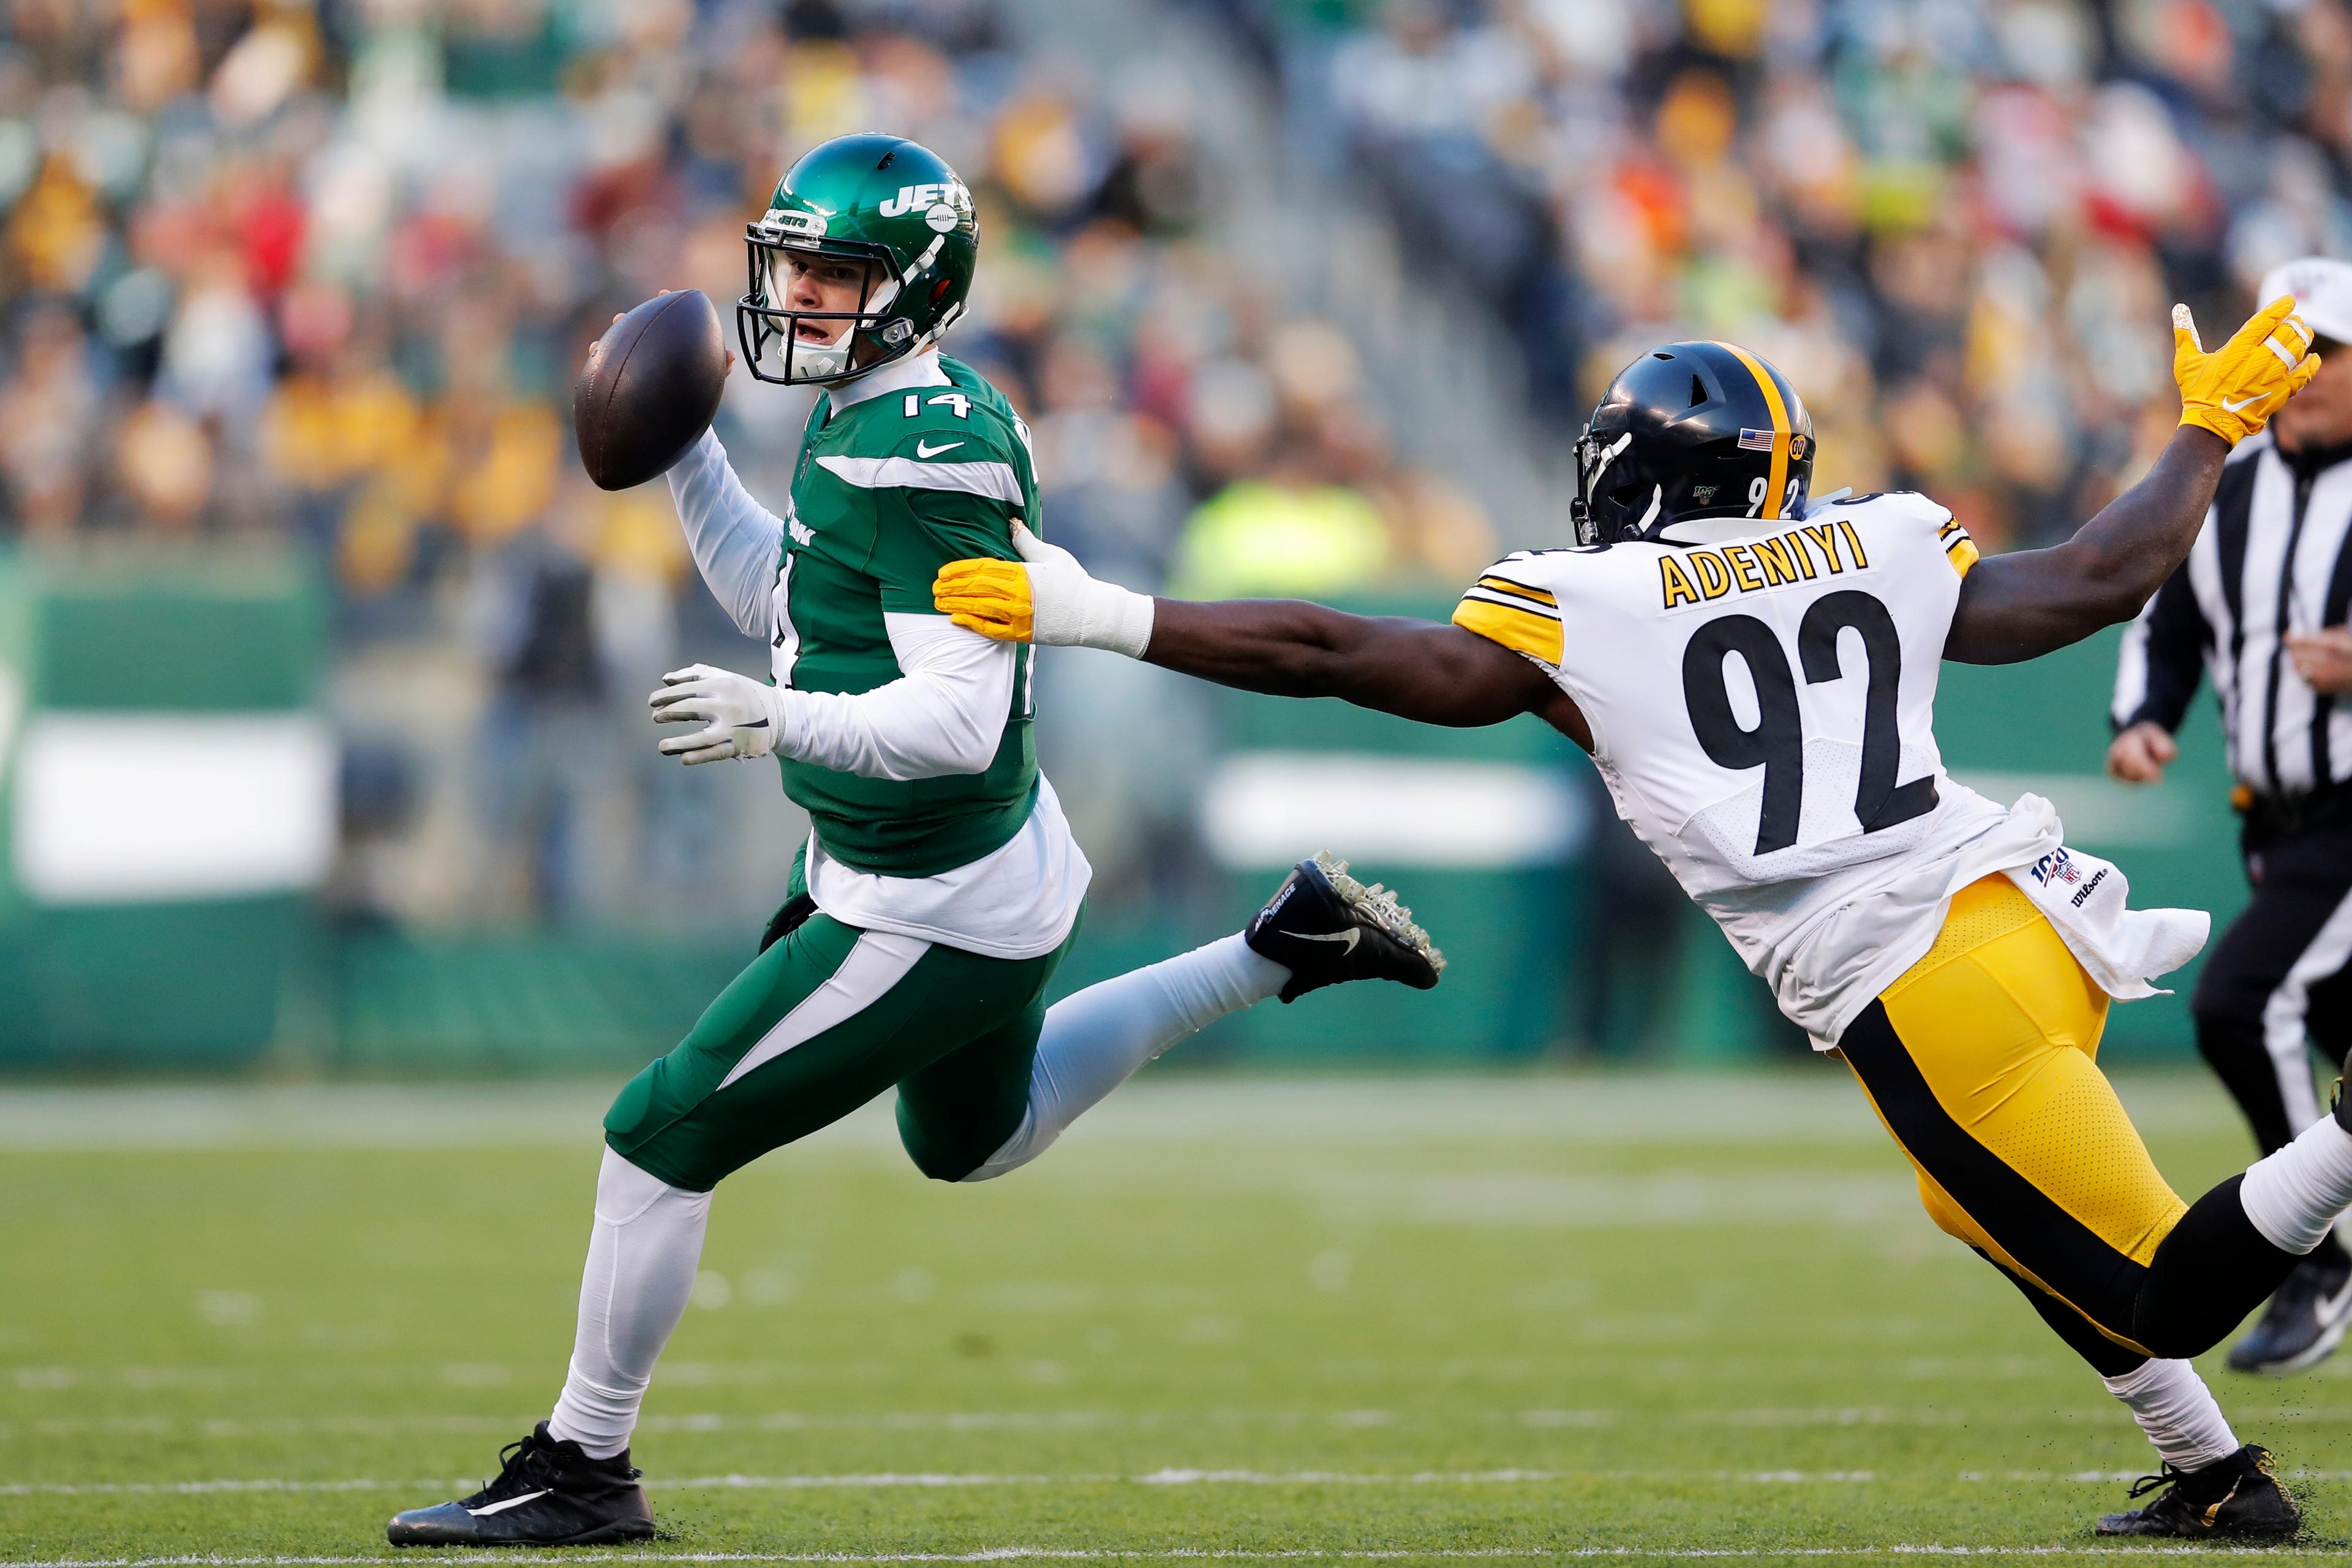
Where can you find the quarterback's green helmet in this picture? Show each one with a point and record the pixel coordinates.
(882, 200)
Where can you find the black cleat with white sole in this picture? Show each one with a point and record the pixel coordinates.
(1327, 929)
(2238, 1496)
(546, 1493)
(2307, 1316)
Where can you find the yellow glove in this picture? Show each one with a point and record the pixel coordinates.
(2233, 391)
(990, 597)
(1045, 597)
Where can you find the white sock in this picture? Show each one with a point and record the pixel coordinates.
(1095, 1041)
(2295, 1195)
(642, 1259)
(2176, 1411)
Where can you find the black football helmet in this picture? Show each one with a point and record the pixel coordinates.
(1689, 431)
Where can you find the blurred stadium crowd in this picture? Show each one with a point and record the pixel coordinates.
(321, 272)
(1956, 224)
(318, 271)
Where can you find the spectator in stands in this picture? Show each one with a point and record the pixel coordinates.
(1925, 197)
(49, 412)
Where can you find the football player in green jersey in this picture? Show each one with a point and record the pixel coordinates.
(939, 886)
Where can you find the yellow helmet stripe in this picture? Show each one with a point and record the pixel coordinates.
(1781, 431)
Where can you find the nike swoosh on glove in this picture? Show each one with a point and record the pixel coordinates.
(2235, 390)
(1046, 598)
(741, 718)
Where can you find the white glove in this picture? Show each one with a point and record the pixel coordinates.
(1071, 609)
(741, 718)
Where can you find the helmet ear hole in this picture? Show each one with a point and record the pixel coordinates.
(1618, 486)
(1698, 390)
(940, 289)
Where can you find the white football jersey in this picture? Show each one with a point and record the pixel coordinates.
(1762, 711)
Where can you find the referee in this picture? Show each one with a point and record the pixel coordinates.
(2261, 604)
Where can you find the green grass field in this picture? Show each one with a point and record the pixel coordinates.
(1649, 1317)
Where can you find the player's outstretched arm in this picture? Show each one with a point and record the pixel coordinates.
(1420, 670)
(1287, 647)
(2021, 606)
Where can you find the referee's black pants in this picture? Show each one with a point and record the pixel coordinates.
(2277, 987)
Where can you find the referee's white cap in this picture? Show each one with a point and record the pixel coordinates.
(2322, 288)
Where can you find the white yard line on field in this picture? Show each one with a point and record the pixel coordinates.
(1161, 1478)
(1170, 1477)
(1805, 1102)
(1237, 1554)
(231, 1427)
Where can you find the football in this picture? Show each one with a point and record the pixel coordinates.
(650, 389)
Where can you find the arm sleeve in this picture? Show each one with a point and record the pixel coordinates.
(2163, 654)
(945, 714)
(736, 543)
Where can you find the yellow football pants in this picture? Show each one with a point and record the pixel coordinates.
(1983, 1062)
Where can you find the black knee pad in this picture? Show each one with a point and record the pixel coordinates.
(2107, 1358)
(2208, 1274)
(938, 1153)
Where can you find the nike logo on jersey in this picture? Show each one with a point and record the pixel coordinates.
(925, 450)
(505, 1503)
(2232, 408)
(1346, 939)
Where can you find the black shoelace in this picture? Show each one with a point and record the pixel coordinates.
(518, 1458)
(2165, 1475)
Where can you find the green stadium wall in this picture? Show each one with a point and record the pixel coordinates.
(223, 981)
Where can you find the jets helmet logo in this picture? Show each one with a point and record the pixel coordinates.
(783, 221)
(956, 196)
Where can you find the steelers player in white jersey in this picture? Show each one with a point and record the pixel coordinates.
(1755, 677)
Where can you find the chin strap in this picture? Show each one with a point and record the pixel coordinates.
(1657, 499)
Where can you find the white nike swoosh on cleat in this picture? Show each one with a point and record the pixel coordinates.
(506, 1503)
(1347, 939)
(925, 450)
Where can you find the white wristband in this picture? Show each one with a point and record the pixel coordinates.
(1070, 609)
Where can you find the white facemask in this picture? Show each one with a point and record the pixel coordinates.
(822, 361)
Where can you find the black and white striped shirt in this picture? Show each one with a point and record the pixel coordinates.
(2272, 559)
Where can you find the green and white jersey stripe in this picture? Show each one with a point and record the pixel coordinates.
(887, 491)
(996, 481)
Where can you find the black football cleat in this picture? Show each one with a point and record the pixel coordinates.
(2238, 1496)
(546, 1493)
(1327, 929)
(2308, 1314)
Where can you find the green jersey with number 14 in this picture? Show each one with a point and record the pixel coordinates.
(887, 491)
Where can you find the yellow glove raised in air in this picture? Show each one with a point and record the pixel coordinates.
(1045, 597)
(2235, 390)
